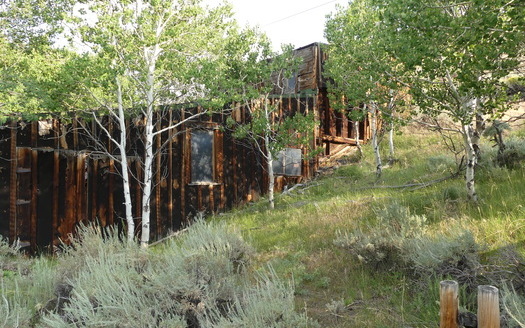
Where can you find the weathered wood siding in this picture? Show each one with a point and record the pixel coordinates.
(53, 176)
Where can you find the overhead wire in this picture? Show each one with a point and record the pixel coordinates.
(299, 13)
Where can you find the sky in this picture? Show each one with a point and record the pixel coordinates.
(299, 22)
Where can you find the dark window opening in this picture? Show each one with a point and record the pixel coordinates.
(288, 162)
(202, 156)
(289, 84)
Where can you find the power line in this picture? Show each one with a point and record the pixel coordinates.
(299, 13)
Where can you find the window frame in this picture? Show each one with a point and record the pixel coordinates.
(211, 131)
(282, 168)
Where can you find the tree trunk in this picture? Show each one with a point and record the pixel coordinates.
(357, 142)
(375, 141)
(148, 173)
(124, 165)
(151, 57)
(471, 156)
(269, 156)
(391, 155)
(271, 182)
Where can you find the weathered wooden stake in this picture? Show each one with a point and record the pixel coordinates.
(488, 307)
(449, 303)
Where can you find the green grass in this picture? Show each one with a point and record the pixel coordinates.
(297, 237)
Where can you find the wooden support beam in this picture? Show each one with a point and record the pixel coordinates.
(340, 140)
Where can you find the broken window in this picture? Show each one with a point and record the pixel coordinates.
(289, 84)
(202, 156)
(288, 162)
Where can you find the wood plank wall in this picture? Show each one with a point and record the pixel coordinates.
(52, 177)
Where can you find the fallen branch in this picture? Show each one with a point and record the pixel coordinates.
(175, 234)
(414, 186)
(304, 187)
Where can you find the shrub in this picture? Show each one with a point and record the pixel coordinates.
(516, 85)
(13, 313)
(12, 261)
(513, 156)
(268, 304)
(452, 193)
(441, 164)
(454, 256)
(513, 306)
(199, 280)
(383, 243)
(399, 239)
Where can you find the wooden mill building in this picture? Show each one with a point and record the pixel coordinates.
(52, 178)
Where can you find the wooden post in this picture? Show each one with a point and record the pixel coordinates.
(448, 303)
(488, 307)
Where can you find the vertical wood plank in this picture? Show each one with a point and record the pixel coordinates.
(199, 198)
(23, 192)
(94, 188)
(170, 170)
(56, 182)
(81, 186)
(34, 200)
(234, 156)
(218, 146)
(138, 192)
(186, 149)
(448, 304)
(211, 202)
(111, 195)
(12, 184)
(34, 134)
(67, 225)
(75, 132)
(158, 178)
(488, 307)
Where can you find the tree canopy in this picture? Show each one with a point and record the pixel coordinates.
(449, 55)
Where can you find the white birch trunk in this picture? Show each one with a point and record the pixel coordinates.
(375, 141)
(357, 136)
(271, 178)
(151, 57)
(391, 143)
(471, 156)
(124, 165)
(269, 157)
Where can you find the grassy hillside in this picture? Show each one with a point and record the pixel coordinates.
(321, 235)
(360, 252)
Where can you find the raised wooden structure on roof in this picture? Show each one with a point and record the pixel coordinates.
(53, 175)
